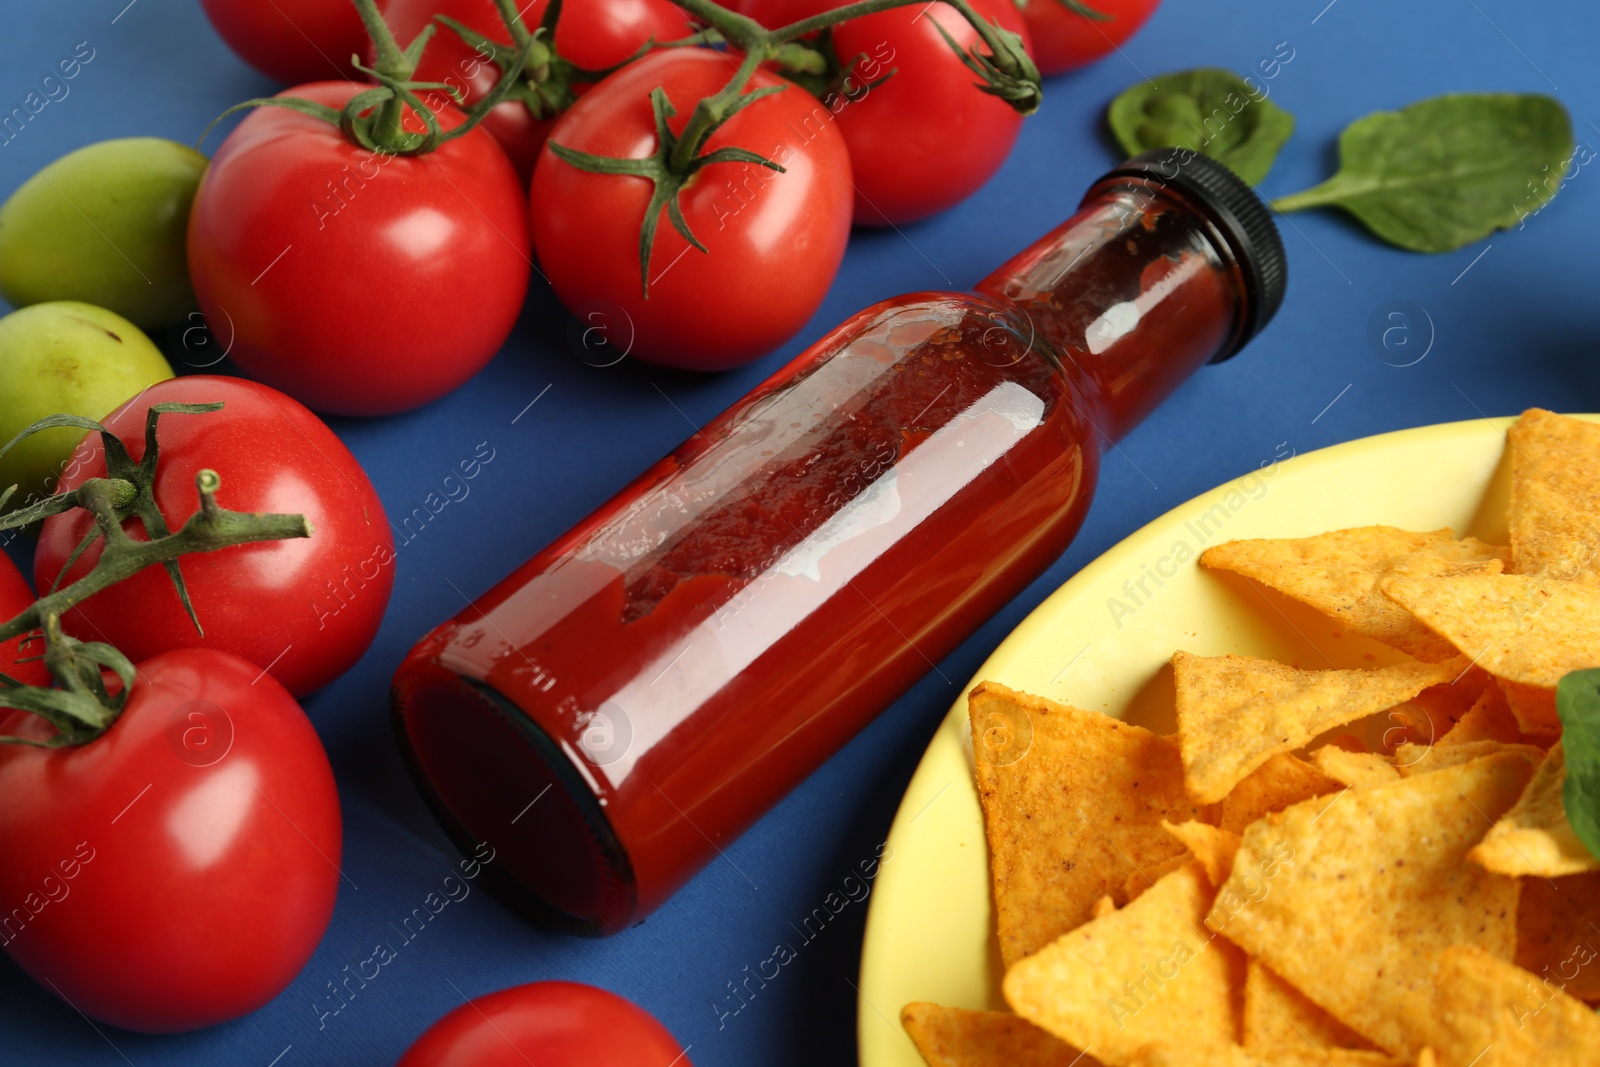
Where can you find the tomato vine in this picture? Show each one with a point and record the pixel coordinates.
(82, 707)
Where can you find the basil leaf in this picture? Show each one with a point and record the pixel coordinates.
(1578, 704)
(1209, 110)
(1444, 172)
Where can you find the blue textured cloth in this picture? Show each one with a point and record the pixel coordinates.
(1515, 321)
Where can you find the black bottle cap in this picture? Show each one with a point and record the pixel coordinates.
(1238, 211)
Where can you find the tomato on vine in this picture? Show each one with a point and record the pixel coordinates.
(179, 870)
(590, 38)
(19, 657)
(922, 136)
(699, 204)
(552, 1024)
(356, 250)
(290, 40)
(171, 830)
(304, 609)
(771, 242)
(1068, 34)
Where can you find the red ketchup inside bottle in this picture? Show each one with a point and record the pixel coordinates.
(622, 706)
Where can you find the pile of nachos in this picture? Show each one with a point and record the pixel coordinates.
(1267, 887)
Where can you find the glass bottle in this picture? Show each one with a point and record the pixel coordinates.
(632, 698)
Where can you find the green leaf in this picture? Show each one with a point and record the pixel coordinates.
(1444, 172)
(1209, 110)
(1578, 704)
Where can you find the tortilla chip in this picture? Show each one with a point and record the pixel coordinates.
(1338, 574)
(1524, 629)
(1534, 837)
(1350, 898)
(1139, 881)
(1283, 780)
(1432, 713)
(1276, 1014)
(1074, 816)
(1489, 1013)
(1533, 707)
(1354, 768)
(1103, 907)
(1555, 482)
(1558, 932)
(1149, 973)
(1411, 760)
(1282, 1056)
(1212, 846)
(1236, 712)
(1489, 719)
(957, 1037)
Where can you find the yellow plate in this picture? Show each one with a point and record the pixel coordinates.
(1103, 641)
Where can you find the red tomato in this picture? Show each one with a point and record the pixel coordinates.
(15, 596)
(594, 34)
(291, 40)
(552, 1024)
(1063, 39)
(357, 282)
(179, 870)
(775, 240)
(927, 138)
(305, 608)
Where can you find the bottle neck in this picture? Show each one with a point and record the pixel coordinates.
(1133, 294)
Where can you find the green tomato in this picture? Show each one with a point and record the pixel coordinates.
(106, 225)
(64, 358)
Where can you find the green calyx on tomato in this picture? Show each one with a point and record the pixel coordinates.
(999, 59)
(678, 158)
(375, 118)
(81, 707)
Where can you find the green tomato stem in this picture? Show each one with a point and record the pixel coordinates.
(709, 114)
(388, 127)
(81, 709)
(210, 529)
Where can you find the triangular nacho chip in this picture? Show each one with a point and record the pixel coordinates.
(1533, 707)
(1355, 768)
(1558, 932)
(1432, 713)
(1277, 1015)
(1555, 484)
(957, 1037)
(1489, 719)
(1534, 837)
(1236, 712)
(1071, 817)
(1349, 897)
(1338, 574)
(1148, 973)
(1281, 1056)
(1425, 759)
(1141, 880)
(1283, 780)
(1525, 629)
(1486, 1012)
(1212, 846)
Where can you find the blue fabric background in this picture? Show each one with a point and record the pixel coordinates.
(1514, 323)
